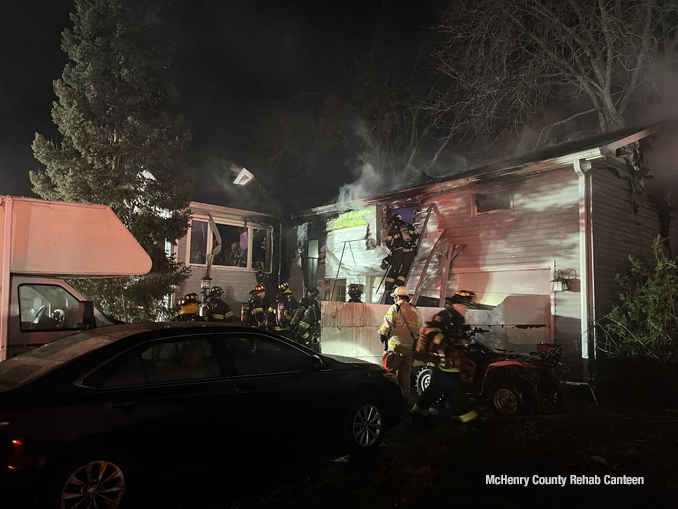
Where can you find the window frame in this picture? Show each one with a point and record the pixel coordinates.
(474, 203)
(223, 352)
(250, 226)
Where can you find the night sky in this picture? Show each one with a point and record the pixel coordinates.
(232, 59)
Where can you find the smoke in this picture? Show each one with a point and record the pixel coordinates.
(302, 236)
(368, 183)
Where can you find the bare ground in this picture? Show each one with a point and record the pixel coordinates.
(442, 466)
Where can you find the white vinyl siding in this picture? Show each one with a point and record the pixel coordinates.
(617, 233)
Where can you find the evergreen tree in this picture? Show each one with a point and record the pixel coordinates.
(645, 325)
(120, 143)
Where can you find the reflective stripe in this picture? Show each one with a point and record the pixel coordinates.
(219, 317)
(448, 370)
(428, 330)
(229, 314)
(438, 338)
(393, 344)
(416, 409)
(468, 416)
(258, 310)
(390, 280)
(402, 278)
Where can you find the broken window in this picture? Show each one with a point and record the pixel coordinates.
(484, 203)
(241, 246)
(198, 252)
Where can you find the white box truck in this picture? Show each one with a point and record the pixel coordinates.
(44, 241)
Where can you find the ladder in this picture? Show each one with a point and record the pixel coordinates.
(422, 233)
(444, 252)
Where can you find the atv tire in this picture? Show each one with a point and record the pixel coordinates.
(423, 379)
(509, 397)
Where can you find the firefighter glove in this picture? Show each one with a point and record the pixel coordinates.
(384, 339)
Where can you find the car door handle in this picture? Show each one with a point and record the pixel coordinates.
(127, 405)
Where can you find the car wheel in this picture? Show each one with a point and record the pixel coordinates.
(364, 426)
(507, 398)
(99, 480)
(423, 380)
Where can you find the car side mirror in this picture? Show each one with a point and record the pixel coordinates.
(317, 363)
(86, 315)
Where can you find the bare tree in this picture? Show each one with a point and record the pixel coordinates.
(508, 61)
(383, 117)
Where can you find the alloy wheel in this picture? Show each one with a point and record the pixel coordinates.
(97, 484)
(367, 425)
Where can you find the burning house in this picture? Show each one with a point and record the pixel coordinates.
(539, 239)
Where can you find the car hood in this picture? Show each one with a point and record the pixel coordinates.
(352, 361)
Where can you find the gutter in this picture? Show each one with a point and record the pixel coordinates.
(587, 304)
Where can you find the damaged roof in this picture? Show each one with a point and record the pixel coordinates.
(557, 156)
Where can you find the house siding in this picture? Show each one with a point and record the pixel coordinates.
(541, 231)
(618, 232)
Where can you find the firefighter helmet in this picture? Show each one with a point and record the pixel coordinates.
(284, 287)
(191, 298)
(395, 219)
(464, 297)
(400, 291)
(354, 289)
(259, 288)
(216, 291)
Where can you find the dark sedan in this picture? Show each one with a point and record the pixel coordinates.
(83, 417)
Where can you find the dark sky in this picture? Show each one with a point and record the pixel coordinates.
(232, 58)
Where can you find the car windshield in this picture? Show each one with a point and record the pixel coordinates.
(23, 368)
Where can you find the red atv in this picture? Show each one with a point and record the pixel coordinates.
(511, 383)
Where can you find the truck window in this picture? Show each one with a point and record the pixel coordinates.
(47, 308)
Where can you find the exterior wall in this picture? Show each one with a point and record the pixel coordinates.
(617, 233)
(540, 233)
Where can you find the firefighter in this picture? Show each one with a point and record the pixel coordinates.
(255, 312)
(443, 341)
(401, 240)
(285, 310)
(398, 333)
(217, 309)
(189, 309)
(354, 293)
(308, 325)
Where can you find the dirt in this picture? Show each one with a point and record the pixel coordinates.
(441, 465)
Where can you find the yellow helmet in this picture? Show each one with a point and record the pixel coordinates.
(400, 291)
(258, 289)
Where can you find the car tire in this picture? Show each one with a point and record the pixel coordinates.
(96, 478)
(508, 397)
(364, 426)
